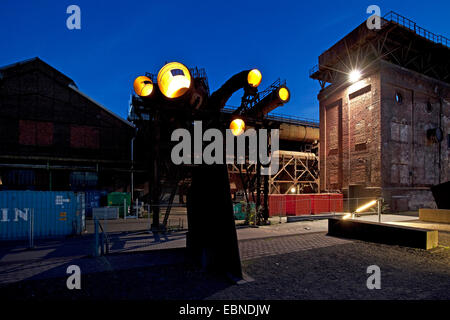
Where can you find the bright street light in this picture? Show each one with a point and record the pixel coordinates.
(354, 76)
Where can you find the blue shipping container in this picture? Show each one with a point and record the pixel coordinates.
(93, 200)
(48, 214)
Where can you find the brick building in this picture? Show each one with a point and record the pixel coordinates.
(387, 132)
(54, 137)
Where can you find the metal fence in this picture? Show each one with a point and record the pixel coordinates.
(126, 234)
(134, 231)
(281, 206)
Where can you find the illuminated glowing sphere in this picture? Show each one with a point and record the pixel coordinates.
(293, 189)
(354, 76)
(254, 78)
(174, 80)
(283, 93)
(143, 86)
(237, 127)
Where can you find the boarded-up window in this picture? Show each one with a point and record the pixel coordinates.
(400, 174)
(400, 131)
(84, 137)
(35, 133)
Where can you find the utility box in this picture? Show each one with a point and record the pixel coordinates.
(105, 213)
(118, 199)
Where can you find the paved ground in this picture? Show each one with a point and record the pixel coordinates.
(325, 272)
(45, 264)
(287, 261)
(177, 220)
(264, 247)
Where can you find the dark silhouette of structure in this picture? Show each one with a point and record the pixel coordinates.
(54, 137)
(175, 98)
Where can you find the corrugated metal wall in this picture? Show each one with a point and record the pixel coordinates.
(53, 214)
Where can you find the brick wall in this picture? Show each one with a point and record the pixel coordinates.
(350, 125)
(374, 135)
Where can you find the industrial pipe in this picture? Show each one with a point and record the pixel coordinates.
(299, 133)
(245, 79)
(273, 100)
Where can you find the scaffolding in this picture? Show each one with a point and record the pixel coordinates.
(298, 173)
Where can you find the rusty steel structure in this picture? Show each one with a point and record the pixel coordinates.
(298, 159)
(385, 113)
(176, 98)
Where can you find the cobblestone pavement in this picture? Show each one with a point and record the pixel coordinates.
(256, 248)
(50, 260)
(331, 272)
(146, 241)
(249, 249)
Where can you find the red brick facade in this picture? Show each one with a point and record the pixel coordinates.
(378, 145)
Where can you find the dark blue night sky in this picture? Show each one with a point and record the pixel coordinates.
(119, 40)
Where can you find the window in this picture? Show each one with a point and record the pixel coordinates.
(84, 137)
(398, 98)
(429, 107)
(35, 133)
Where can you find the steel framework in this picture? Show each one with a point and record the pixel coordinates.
(400, 41)
(297, 170)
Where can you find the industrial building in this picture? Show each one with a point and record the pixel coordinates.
(385, 113)
(54, 137)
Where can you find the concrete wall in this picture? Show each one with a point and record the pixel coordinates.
(412, 162)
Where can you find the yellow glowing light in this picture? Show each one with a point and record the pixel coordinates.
(174, 80)
(283, 93)
(354, 76)
(254, 78)
(293, 189)
(237, 127)
(347, 216)
(143, 86)
(366, 206)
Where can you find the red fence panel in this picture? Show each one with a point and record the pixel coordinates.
(298, 204)
(277, 205)
(304, 204)
(321, 203)
(336, 202)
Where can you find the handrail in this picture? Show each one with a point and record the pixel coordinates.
(282, 117)
(411, 25)
(104, 240)
(392, 16)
